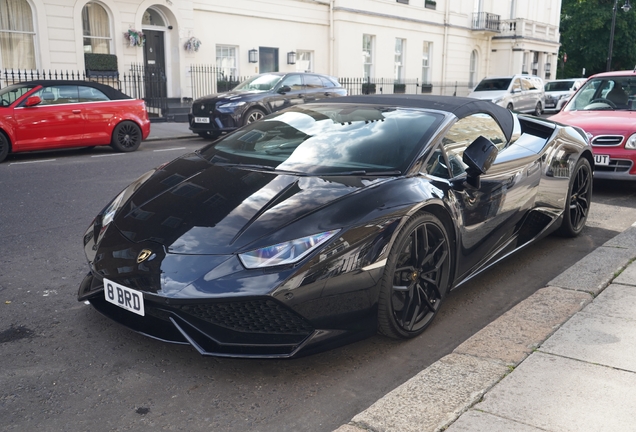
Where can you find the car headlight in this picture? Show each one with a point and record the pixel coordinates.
(231, 105)
(285, 253)
(108, 214)
(630, 144)
(497, 100)
(564, 96)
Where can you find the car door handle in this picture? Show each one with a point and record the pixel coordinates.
(76, 111)
(327, 94)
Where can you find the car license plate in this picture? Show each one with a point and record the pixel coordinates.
(124, 297)
(601, 160)
(549, 105)
(201, 120)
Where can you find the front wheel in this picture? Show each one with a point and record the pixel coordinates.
(4, 146)
(579, 200)
(252, 115)
(416, 278)
(537, 110)
(126, 137)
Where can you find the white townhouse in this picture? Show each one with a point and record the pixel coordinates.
(438, 42)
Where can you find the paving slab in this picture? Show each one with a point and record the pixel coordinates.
(626, 239)
(560, 394)
(627, 276)
(514, 335)
(433, 398)
(617, 301)
(595, 271)
(477, 421)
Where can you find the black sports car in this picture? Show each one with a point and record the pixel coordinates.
(254, 98)
(323, 223)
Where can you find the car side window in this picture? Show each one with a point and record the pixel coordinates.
(313, 82)
(60, 94)
(91, 94)
(526, 84)
(327, 83)
(516, 85)
(294, 82)
(463, 133)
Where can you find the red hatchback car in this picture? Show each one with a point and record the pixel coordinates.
(605, 108)
(47, 115)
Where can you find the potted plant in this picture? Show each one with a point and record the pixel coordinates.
(104, 65)
(134, 37)
(192, 45)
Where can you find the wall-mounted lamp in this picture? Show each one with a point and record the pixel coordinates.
(291, 57)
(253, 56)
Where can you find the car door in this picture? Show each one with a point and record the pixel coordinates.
(516, 95)
(488, 214)
(290, 91)
(315, 88)
(97, 114)
(54, 123)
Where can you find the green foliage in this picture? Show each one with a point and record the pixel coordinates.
(585, 34)
(100, 62)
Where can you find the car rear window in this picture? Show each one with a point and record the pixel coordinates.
(492, 84)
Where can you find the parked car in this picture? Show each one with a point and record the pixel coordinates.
(322, 223)
(522, 93)
(47, 115)
(605, 108)
(558, 92)
(256, 97)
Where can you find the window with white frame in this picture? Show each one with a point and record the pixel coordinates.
(400, 45)
(472, 74)
(226, 61)
(96, 29)
(426, 62)
(368, 46)
(17, 35)
(304, 61)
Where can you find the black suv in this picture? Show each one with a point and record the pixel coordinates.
(256, 97)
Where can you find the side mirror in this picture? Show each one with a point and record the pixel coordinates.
(479, 156)
(284, 89)
(33, 101)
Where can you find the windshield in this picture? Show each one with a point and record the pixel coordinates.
(493, 84)
(605, 93)
(329, 139)
(10, 94)
(554, 86)
(264, 82)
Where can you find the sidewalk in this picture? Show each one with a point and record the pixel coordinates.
(564, 359)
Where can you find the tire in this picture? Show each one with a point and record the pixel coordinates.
(416, 278)
(126, 137)
(4, 146)
(252, 115)
(509, 107)
(579, 200)
(537, 110)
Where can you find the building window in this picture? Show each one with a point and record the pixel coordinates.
(152, 18)
(368, 46)
(17, 35)
(426, 62)
(400, 45)
(96, 29)
(472, 77)
(226, 61)
(535, 63)
(304, 61)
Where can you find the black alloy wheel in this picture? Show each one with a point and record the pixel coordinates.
(4, 146)
(579, 200)
(126, 137)
(416, 278)
(252, 115)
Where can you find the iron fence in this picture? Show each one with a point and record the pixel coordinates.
(209, 79)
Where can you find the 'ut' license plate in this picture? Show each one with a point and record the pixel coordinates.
(124, 297)
(601, 160)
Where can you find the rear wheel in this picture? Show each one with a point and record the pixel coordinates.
(579, 199)
(126, 137)
(252, 115)
(4, 146)
(416, 278)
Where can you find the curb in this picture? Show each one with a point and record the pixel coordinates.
(165, 138)
(436, 397)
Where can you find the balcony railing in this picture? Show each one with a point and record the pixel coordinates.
(525, 28)
(486, 21)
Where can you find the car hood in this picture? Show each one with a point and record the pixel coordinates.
(194, 207)
(599, 122)
(488, 95)
(229, 96)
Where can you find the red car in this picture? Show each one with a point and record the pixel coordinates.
(605, 108)
(46, 115)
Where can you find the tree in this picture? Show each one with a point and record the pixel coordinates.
(585, 34)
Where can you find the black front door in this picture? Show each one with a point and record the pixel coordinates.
(154, 66)
(268, 59)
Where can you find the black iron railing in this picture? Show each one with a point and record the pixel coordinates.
(486, 21)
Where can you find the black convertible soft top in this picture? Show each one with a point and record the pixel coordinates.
(459, 106)
(109, 91)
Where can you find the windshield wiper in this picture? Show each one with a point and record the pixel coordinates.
(362, 173)
(255, 167)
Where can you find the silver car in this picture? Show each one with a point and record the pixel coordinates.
(558, 92)
(522, 93)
